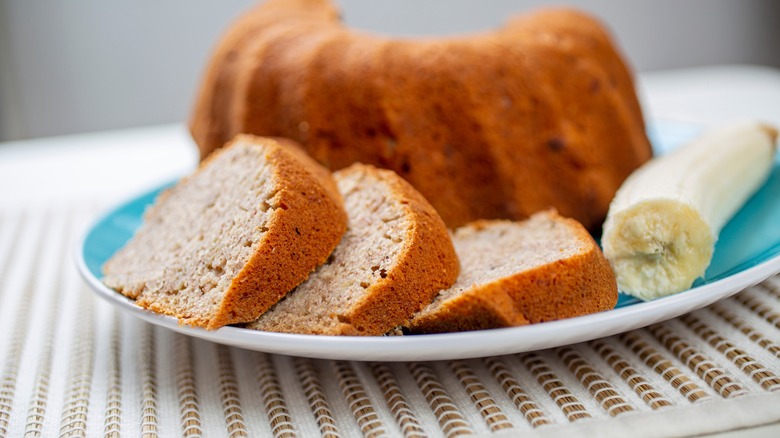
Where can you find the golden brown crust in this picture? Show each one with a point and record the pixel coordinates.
(538, 113)
(213, 120)
(490, 306)
(302, 232)
(427, 264)
(574, 286)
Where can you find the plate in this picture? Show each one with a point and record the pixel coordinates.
(747, 252)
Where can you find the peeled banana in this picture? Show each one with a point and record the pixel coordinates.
(663, 223)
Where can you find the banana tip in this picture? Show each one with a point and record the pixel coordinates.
(771, 131)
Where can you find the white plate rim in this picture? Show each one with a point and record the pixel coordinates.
(446, 346)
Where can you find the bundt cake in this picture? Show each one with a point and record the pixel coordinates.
(539, 113)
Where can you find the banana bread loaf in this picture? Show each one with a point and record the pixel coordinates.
(538, 113)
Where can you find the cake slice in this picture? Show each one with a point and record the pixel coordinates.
(394, 258)
(227, 242)
(514, 273)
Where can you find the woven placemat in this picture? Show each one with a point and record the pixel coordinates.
(71, 365)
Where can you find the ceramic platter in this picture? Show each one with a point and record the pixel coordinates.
(748, 251)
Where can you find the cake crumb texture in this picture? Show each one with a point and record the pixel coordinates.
(227, 242)
(516, 273)
(393, 259)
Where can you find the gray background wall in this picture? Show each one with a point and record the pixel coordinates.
(85, 65)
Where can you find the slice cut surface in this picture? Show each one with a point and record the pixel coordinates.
(227, 242)
(515, 273)
(395, 256)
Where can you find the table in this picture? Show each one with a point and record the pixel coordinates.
(71, 365)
